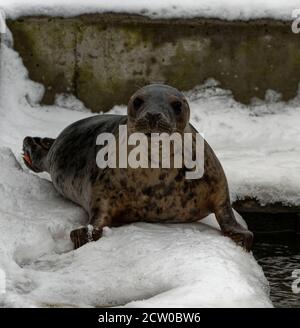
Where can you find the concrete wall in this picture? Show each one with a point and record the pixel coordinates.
(104, 58)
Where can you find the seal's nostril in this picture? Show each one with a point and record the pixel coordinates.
(153, 116)
(158, 116)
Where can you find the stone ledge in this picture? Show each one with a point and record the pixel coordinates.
(104, 58)
(124, 18)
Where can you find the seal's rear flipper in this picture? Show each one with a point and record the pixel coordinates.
(35, 152)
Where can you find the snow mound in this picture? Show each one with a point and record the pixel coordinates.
(222, 9)
(145, 264)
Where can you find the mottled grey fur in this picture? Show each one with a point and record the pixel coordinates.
(120, 196)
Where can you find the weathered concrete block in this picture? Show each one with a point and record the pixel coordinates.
(48, 47)
(104, 58)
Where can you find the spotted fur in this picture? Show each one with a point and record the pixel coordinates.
(119, 196)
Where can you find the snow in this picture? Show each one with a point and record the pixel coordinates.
(134, 265)
(139, 264)
(161, 265)
(223, 9)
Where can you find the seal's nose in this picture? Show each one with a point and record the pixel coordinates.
(153, 118)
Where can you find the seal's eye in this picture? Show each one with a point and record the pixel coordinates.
(137, 103)
(177, 106)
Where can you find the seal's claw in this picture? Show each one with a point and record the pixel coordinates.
(84, 235)
(79, 237)
(243, 238)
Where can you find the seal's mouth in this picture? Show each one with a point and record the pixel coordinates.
(147, 127)
(148, 131)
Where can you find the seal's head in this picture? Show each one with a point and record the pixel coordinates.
(158, 108)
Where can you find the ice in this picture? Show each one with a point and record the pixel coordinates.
(134, 265)
(223, 9)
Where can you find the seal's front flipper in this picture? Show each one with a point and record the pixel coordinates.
(232, 229)
(93, 231)
(84, 235)
(241, 237)
(35, 152)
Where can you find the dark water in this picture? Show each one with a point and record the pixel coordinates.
(279, 256)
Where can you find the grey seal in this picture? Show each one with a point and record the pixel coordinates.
(117, 196)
